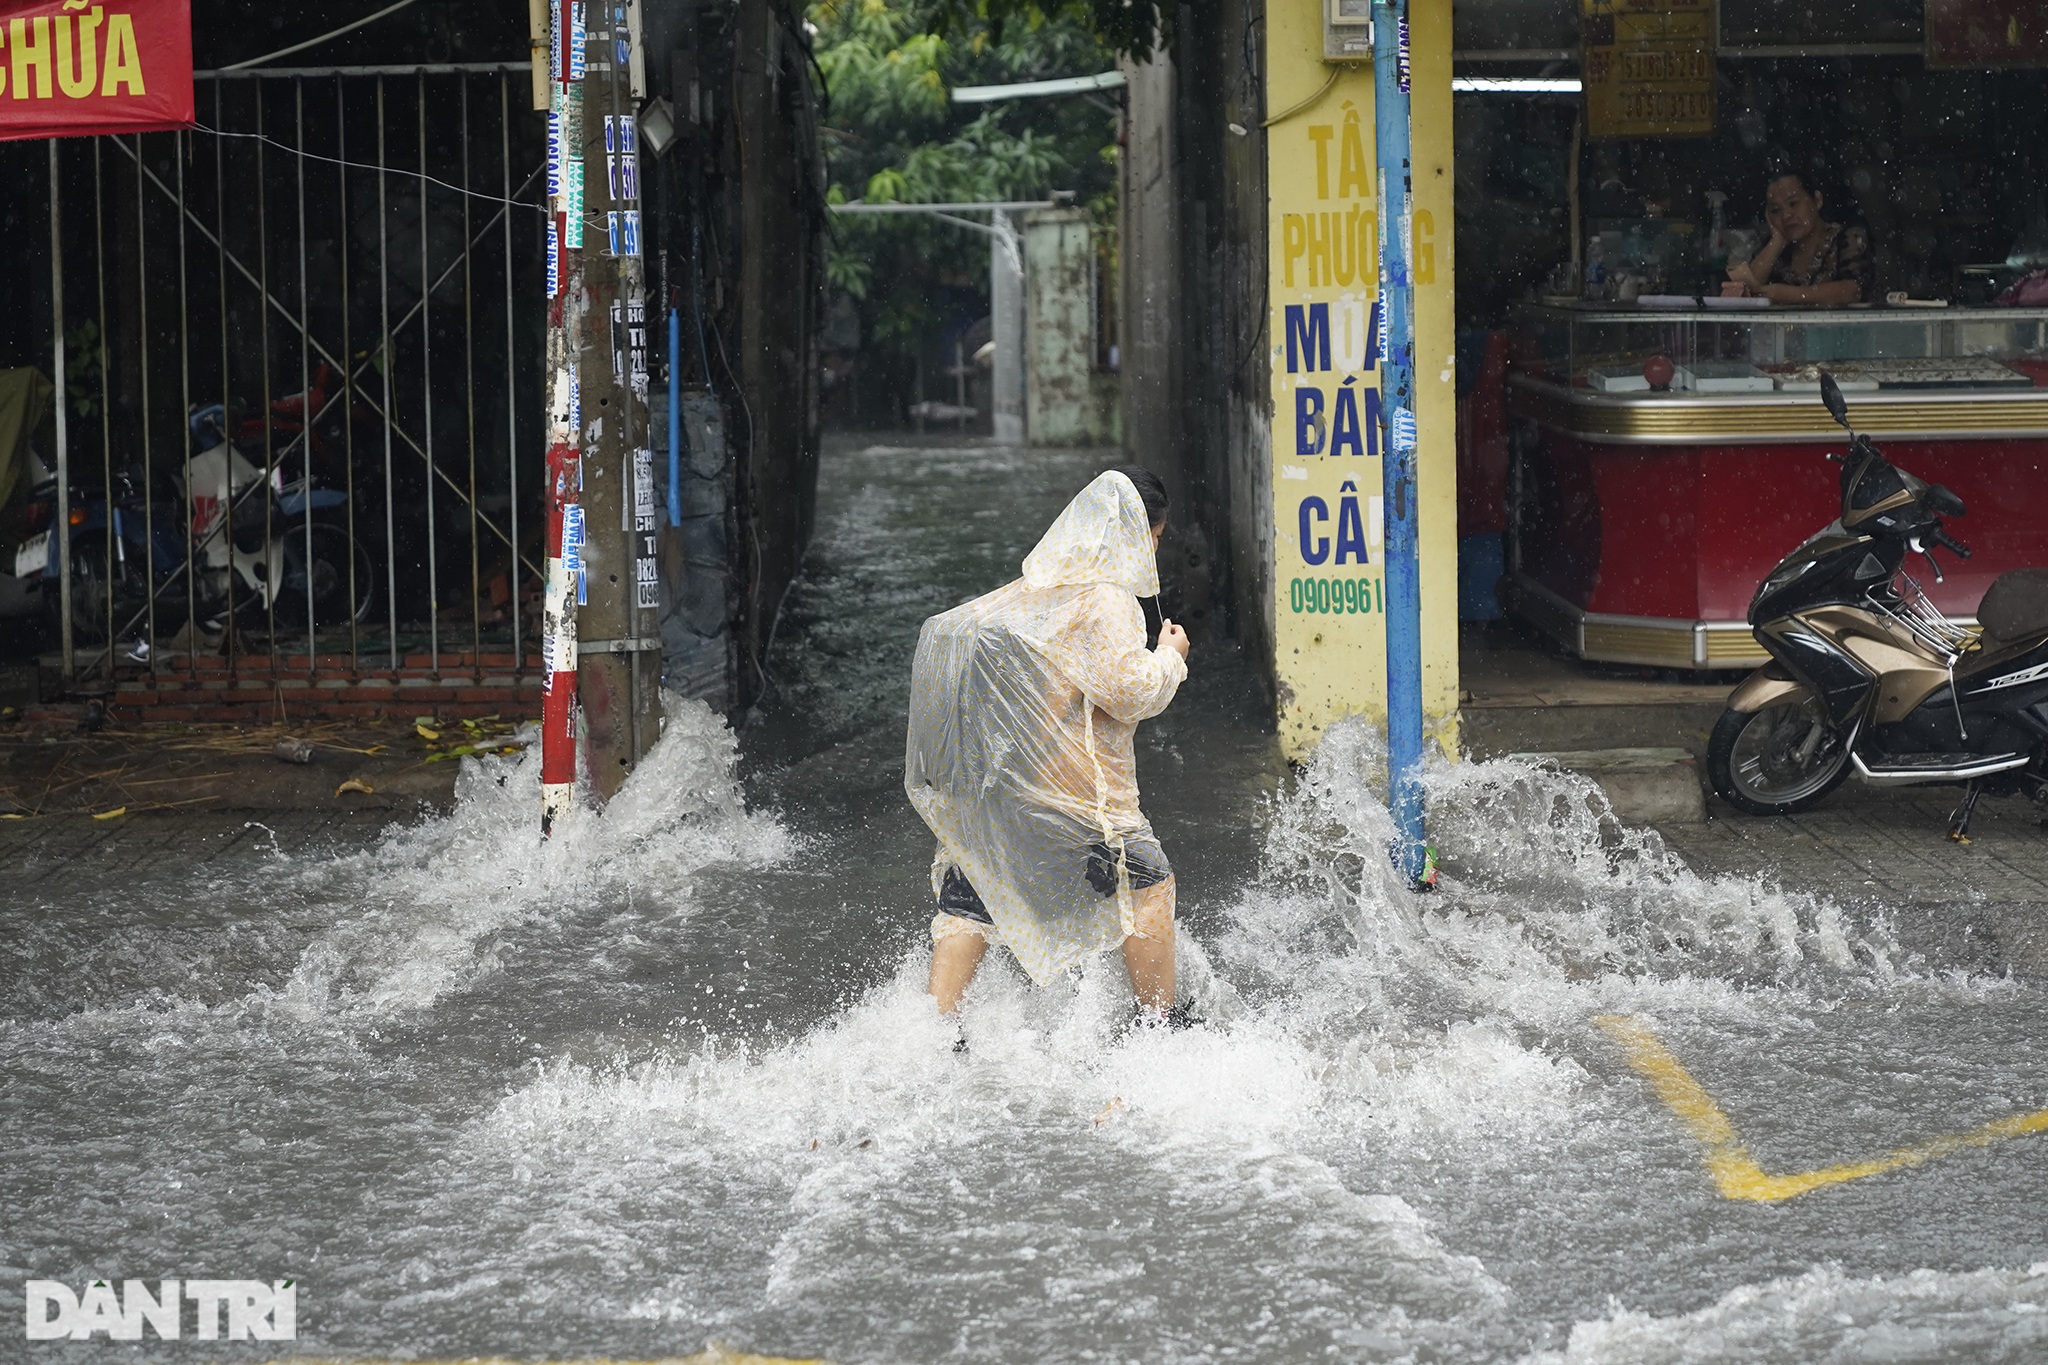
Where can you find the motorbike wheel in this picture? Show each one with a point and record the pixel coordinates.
(89, 591)
(328, 571)
(1776, 760)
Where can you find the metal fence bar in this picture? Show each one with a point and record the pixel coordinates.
(142, 363)
(476, 607)
(61, 532)
(384, 349)
(184, 414)
(269, 447)
(348, 402)
(109, 538)
(511, 389)
(305, 381)
(401, 69)
(220, 240)
(427, 399)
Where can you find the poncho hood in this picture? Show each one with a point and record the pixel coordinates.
(1103, 536)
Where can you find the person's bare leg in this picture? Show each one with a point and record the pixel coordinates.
(1150, 964)
(954, 960)
(1148, 953)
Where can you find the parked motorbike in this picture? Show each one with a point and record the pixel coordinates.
(252, 547)
(1867, 675)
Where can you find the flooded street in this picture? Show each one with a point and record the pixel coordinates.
(673, 1078)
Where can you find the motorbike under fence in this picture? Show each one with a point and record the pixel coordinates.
(216, 543)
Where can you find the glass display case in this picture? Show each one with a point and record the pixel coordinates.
(1667, 459)
(1605, 346)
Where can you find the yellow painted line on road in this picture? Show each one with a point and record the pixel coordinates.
(1736, 1173)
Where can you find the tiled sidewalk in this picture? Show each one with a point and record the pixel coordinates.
(1981, 906)
(1892, 845)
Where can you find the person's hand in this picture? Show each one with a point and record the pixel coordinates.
(1734, 289)
(1174, 638)
(1783, 293)
(1739, 273)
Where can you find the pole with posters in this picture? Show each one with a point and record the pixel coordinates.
(1397, 471)
(618, 682)
(565, 581)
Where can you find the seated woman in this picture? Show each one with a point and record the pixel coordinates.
(1807, 260)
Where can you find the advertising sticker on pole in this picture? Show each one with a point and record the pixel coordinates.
(71, 69)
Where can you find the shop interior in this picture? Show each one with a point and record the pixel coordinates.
(1599, 492)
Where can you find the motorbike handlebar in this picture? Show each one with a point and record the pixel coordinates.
(1950, 543)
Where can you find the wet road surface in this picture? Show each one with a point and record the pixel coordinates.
(673, 1078)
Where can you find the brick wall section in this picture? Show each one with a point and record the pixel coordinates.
(253, 690)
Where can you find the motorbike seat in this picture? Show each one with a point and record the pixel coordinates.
(2015, 607)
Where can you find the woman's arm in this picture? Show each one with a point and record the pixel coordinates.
(1833, 294)
(1758, 268)
(1102, 651)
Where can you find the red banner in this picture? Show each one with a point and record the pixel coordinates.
(71, 68)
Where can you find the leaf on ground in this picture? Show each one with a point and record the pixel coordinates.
(425, 733)
(114, 814)
(356, 784)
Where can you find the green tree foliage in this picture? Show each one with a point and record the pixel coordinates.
(894, 136)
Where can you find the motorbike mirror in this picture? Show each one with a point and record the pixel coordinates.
(1942, 502)
(1831, 394)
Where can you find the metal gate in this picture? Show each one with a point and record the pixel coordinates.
(299, 344)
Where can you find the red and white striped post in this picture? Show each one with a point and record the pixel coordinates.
(558, 637)
(564, 418)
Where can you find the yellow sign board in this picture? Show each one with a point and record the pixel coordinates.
(1648, 67)
(1325, 331)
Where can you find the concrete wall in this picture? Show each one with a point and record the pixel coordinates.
(1066, 402)
(737, 237)
(1149, 237)
(1196, 404)
(699, 599)
(778, 239)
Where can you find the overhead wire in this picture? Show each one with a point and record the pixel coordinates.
(315, 42)
(371, 166)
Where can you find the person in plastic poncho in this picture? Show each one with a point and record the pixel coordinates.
(1023, 706)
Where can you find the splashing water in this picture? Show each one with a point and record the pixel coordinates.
(486, 1095)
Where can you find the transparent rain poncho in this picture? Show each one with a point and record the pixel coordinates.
(1023, 706)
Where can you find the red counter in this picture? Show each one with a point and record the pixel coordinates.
(1643, 522)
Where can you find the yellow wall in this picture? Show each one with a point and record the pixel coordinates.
(1322, 245)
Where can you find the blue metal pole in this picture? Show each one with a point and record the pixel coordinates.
(675, 418)
(1397, 383)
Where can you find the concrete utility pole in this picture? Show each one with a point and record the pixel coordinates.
(601, 583)
(619, 677)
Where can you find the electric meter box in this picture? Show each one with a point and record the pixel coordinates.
(1347, 30)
